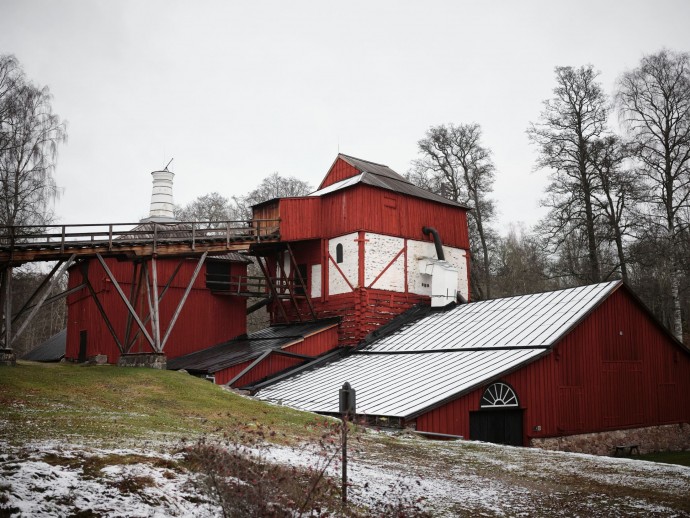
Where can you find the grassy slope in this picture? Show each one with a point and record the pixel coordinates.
(108, 404)
(111, 406)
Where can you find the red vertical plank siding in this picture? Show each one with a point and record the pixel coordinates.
(268, 366)
(205, 319)
(370, 209)
(300, 218)
(363, 207)
(616, 369)
(340, 170)
(316, 344)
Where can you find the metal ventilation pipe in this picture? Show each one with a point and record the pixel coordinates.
(437, 241)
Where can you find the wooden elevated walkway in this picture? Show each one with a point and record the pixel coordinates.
(19, 245)
(66, 244)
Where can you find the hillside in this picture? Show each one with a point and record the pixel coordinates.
(106, 441)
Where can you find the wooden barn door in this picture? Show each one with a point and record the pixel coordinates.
(500, 426)
(499, 418)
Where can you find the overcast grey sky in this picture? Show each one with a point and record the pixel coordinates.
(236, 91)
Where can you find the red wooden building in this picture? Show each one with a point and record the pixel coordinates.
(365, 247)
(179, 301)
(208, 316)
(543, 369)
(356, 249)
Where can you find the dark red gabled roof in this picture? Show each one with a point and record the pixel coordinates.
(377, 175)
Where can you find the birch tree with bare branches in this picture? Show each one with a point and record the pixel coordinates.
(567, 128)
(455, 164)
(653, 101)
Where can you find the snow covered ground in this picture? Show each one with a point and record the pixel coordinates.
(456, 479)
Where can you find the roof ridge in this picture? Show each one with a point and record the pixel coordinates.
(363, 160)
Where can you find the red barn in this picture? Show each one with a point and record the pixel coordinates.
(585, 369)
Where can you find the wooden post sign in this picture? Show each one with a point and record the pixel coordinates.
(348, 407)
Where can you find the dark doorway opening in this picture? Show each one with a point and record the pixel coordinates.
(500, 426)
(82, 346)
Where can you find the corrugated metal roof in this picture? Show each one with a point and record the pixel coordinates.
(52, 350)
(383, 177)
(239, 350)
(442, 354)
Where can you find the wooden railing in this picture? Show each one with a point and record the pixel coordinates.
(60, 236)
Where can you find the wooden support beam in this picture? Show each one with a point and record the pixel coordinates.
(124, 299)
(133, 297)
(160, 298)
(183, 300)
(45, 281)
(301, 281)
(155, 316)
(258, 305)
(248, 368)
(147, 283)
(7, 309)
(99, 306)
(62, 295)
(274, 292)
(44, 295)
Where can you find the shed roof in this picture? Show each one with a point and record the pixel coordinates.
(52, 350)
(443, 354)
(248, 347)
(383, 177)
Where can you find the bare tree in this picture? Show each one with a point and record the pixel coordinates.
(210, 208)
(456, 165)
(654, 107)
(570, 123)
(273, 186)
(522, 264)
(616, 194)
(29, 137)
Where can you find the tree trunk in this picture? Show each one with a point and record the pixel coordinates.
(675, 304)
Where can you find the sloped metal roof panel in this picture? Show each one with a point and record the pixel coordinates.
(527, 321)
(442, 354)
(242, 349)
(383, 177)
(52, 350)
(365, 166)
(395, 385)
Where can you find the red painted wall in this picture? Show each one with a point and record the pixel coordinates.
(205, 320)
(595, 379)
(340, 170)
(270, 365)
(371, 209)
(362, 311)
(313, 345)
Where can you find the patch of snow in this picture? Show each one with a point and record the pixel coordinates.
(34, 487)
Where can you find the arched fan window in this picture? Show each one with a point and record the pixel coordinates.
(499, 395)
(339, 253)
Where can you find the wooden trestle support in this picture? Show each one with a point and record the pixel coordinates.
(143, 250)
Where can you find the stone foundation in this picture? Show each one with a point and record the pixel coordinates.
(7, 357)
(151, 361)
(671, 437)
(99, 359)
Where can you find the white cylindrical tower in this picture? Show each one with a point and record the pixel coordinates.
(162, 197)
